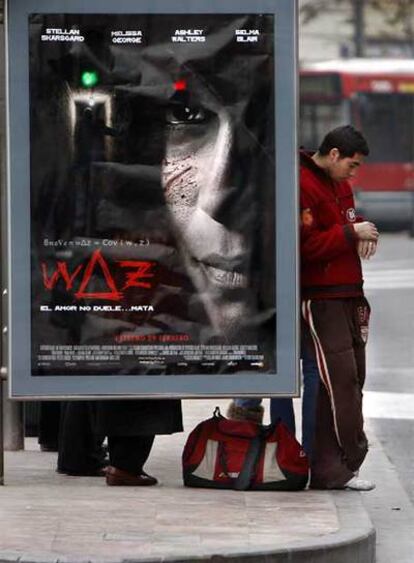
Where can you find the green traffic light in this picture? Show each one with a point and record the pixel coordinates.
(89, 78)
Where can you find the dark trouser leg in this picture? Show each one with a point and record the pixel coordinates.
(328, 465)
(340, 442)
(49, 424)
(129, 452)
(80, 449)
(311, 382)
(283, 409)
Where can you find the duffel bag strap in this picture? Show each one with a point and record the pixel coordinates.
(243, 480)
(247, 473)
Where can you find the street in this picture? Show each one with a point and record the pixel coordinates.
(389, 285)
(389, 391)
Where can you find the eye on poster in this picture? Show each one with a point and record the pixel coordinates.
(151, 198)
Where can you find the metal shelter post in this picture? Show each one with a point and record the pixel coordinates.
(1, 435)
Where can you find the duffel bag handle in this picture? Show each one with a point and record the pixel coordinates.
(217, 413)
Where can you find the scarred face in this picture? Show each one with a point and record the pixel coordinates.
(211, 206)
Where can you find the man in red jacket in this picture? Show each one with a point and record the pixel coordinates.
(335, 311)
(335, 315)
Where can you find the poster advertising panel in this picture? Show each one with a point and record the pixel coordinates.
(154, 249)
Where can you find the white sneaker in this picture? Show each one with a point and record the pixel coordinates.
(356, 484)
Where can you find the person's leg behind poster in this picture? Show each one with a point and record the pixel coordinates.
(252, 409)
(80, 446)
(127, 456)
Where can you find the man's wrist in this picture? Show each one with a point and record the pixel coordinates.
(350, 233)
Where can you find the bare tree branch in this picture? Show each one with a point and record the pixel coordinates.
(398, 15)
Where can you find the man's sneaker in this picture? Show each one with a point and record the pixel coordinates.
(357, 484)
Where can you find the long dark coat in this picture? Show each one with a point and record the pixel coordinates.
(139, 417)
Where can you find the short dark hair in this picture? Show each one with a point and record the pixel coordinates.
(347, 140)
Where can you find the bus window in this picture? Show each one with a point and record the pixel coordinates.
(387, 121)
(316, 119)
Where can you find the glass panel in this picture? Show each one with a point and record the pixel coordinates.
(387, 121)
(315, 120)
(320, 86)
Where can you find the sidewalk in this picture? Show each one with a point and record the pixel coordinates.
(46, 517)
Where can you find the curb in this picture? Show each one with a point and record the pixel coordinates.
(355, 541)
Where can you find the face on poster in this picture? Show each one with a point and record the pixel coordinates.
(152, 189)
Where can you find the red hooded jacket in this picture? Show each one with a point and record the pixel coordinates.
(330, 265)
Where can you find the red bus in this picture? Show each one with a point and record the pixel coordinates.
(377, 96)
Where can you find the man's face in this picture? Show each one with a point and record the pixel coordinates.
(343, 168)
(211, 207)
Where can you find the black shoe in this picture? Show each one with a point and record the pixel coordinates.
(48, 447)
(120, 478)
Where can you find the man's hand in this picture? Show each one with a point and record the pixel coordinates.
(366, 248)
(366, 231)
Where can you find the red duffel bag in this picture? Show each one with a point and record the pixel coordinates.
(232, 454)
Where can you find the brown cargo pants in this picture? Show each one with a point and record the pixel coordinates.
(339, 331)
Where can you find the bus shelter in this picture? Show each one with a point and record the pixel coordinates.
(152, 198)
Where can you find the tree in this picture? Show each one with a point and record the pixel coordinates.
(397, 14)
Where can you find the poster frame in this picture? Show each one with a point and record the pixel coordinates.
(285, 382)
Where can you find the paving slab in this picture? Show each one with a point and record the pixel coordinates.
(46, 517)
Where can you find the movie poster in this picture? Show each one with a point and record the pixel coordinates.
(152, 193)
